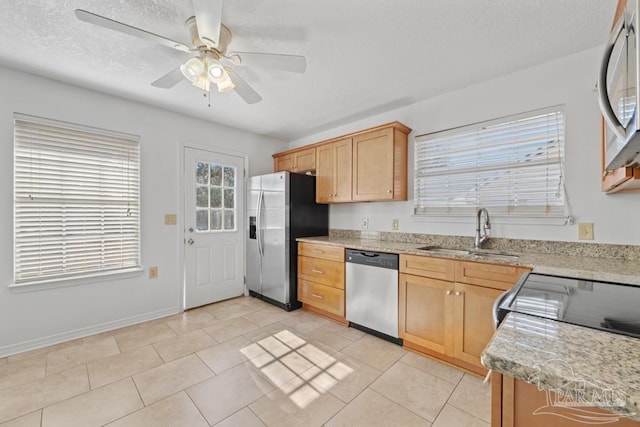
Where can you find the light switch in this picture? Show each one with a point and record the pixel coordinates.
(153, 272)
(170, 219)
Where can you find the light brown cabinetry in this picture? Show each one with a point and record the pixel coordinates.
(515, 403)
(380, 165)
(333, 171)
(446, 306)
(300, 160)
(321, 279)
(365, 166)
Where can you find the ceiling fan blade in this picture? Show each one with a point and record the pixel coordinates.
(101, 21)
(243, 89)
(169, 80)
(208, 19)
(292, 63)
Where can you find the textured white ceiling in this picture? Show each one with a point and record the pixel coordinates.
(364, 56)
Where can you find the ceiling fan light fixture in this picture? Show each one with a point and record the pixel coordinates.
(192, 69)
(216, 71)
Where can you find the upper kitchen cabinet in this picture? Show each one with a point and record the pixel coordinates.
(333, 171)
(380, 164)
(299, 160)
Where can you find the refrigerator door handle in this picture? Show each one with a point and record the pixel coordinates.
(259, 224)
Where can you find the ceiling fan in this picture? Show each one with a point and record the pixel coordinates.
(212, 64)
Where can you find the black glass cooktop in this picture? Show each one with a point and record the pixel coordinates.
(613, 307)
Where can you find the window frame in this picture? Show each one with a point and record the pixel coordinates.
(525, 215)
(78, 277)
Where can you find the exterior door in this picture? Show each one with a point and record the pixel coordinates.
(214, 217)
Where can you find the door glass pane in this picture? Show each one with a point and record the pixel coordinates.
(202, 173)
(229, 198)
(202, 199)
(202, 219)
(229, 219)
(229, 176)
(216, 219)
(216, 175)
(216, 197)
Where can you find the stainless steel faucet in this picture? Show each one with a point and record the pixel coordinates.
(481, 228)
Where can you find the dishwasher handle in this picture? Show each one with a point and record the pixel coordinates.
(373, 259)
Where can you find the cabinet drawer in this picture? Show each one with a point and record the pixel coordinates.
(321, 296)
(318, 270)
(318, 250)
(436, 268)
(490, 275)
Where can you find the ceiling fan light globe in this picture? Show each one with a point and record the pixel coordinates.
(224, 83)
(192, 69)
(215, 69)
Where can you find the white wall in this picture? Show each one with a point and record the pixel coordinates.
(33, 319)
(569, 81)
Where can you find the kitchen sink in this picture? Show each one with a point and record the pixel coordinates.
(446, 251)
(488, 254)
(478, 253)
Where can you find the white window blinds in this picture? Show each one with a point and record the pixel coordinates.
(77, 200)
(513, 166)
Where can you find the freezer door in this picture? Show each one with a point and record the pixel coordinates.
(253, 253)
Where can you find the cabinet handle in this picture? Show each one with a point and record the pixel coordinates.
(317, 271)
(389, 191)
(458, 293)
(317, 296)
(448, 292)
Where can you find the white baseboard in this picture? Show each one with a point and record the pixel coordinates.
(37, 343)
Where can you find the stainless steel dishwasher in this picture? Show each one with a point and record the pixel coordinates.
(372, 293)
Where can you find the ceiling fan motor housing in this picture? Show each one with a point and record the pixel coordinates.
(225, 37)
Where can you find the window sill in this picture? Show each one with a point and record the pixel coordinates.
(65, 282)
(496, 219)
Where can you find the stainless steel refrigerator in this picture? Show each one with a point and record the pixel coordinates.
(280, 208)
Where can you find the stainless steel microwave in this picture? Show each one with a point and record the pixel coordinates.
(619, 90)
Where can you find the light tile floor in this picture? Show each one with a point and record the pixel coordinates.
(240, 362)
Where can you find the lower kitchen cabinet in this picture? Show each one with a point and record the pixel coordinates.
(444, 317)
(321, 280)
(515, 403)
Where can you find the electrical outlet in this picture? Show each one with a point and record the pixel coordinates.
(365, 223)
(170, 219)
(585, 231)
(394, 224)
(153, 272)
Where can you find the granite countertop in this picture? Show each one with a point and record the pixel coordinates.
(582, 267)
(561, 356)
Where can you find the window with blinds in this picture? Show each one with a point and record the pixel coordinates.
(76, 201)
(512, 166)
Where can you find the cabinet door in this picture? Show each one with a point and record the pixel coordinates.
(473, 324)
(324, 173)
(304, 160)
(526, 406)
(425, 312)
(342, 152)
(283, 163)
(373, 160)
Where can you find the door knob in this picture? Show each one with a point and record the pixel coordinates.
(190, 229)
(190, 242)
